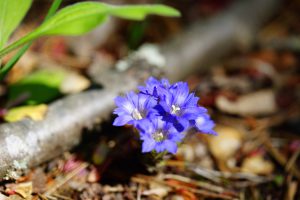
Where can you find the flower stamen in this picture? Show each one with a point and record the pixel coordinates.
(158, 136)
(175, 109)
(136, 114)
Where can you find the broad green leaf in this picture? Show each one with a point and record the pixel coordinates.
(35, 112)
(82, 17)
(11, 14)
(139, 12)
(75, 19)
(8, 66)
(41, 86)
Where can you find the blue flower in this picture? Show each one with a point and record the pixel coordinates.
(179, 106)
(162, 112)
(155, 87)
(160, 136)
(133, 108)
(204, 124)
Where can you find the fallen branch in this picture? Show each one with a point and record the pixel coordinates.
(28, 143)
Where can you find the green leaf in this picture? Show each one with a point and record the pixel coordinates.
(11, 14)
(75, 19)
(8, 66)
(41, 86)
(139, 12)
(82, 17)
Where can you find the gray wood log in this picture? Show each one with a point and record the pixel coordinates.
(28, 143)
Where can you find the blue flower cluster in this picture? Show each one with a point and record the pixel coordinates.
(162, 112)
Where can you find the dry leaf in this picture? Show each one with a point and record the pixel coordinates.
(226, 143)
(15, 197)
(24, 190)
(3, 197)
(74, 83)
(257, 165)
(36, 112)
(157, 189)
(93, 176)
(186, 151)
(257, 103)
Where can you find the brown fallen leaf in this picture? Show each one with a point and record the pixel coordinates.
(257, 165)
(24, 190)
(36, 112)
(74, 83)
(15, 197)
(20, 190)
(161, 192)
(226, 143)
(257, 103)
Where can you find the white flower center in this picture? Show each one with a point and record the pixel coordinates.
(136, 114)
(200, 121)
(175, 109)
(158, 136)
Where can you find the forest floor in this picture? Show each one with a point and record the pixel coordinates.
(255, 155)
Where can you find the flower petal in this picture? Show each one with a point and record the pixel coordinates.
(148, 145)
(205, 124)
(122, 120)
(170, 146)
(181, 93)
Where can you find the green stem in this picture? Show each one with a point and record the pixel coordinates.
(55, 5)
(17, 44)
(159, 156)
(7, 67)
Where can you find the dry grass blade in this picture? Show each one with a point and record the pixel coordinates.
(67, 178)
(292, 160)
(200, 184)
(217, 176)
(279, 157)
(139, 192)
(291, 190)
(59, 196)
(142, 179)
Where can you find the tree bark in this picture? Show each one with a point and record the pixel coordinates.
(33, 142)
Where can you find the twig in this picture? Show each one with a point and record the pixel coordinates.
(67, 178)
(260, 132)
(139, 192)
(279, 157)
(180, 187)
(42, 197)
(201, 184)
(217, 176)
(292, 190)
(292, 160)
(62, 196)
